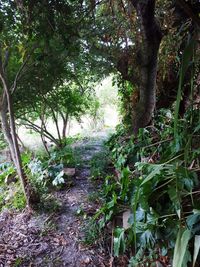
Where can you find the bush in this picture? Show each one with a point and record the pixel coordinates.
(155, 184)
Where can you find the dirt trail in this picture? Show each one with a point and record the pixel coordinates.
(53, 239)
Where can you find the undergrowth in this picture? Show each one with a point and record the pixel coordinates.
(11, 194)
(45, 172)
(99, 164)
(155, 192)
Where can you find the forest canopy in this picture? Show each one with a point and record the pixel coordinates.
(53, 54)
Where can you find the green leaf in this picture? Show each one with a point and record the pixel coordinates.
(182, 240)
(187, 55)
(59, 179)
(174, 197)
(147, 239)
(125, 172)
(197, 128)
(187, 258)
(196, 248)
(193, 219)
(135, 204)
(119, 242)
(156, 170)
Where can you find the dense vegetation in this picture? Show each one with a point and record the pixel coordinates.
(49, 67)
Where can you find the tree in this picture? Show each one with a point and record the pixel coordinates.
(128, 36)
(26, 43)
(150, 41)
(12, 66)
(70, 100)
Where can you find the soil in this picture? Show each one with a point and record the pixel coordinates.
(53, 239)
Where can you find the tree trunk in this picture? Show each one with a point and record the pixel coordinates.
(44, 143)
(6, 129)
(9, 129)
(65, 123)
(57, 127)
(148, 55)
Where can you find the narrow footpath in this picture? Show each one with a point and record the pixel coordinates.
(53, 239)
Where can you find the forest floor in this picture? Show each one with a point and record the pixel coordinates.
(54, 238)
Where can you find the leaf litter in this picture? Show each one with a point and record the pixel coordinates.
(40, 239)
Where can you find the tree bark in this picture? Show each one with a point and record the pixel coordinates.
(57, 126)
(6, 128)
(44, 143)
(148, 55)
(9, 130)
(65, 123)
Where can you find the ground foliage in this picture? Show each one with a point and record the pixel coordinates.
(158, 183)
(155, 188)
(53, 235)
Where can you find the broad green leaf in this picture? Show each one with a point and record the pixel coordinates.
(111, 204)
(147, 239)
(196, 248)
(193, 219)
(109, 215)
(187, 258)
(156, 170)
(119, 241)
(140, 165)
(182, 240)
(125, 172)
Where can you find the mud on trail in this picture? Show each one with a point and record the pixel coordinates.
(54, 239)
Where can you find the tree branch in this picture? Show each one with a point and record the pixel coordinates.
(17, 77)
(38, 129)
(5, 63)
